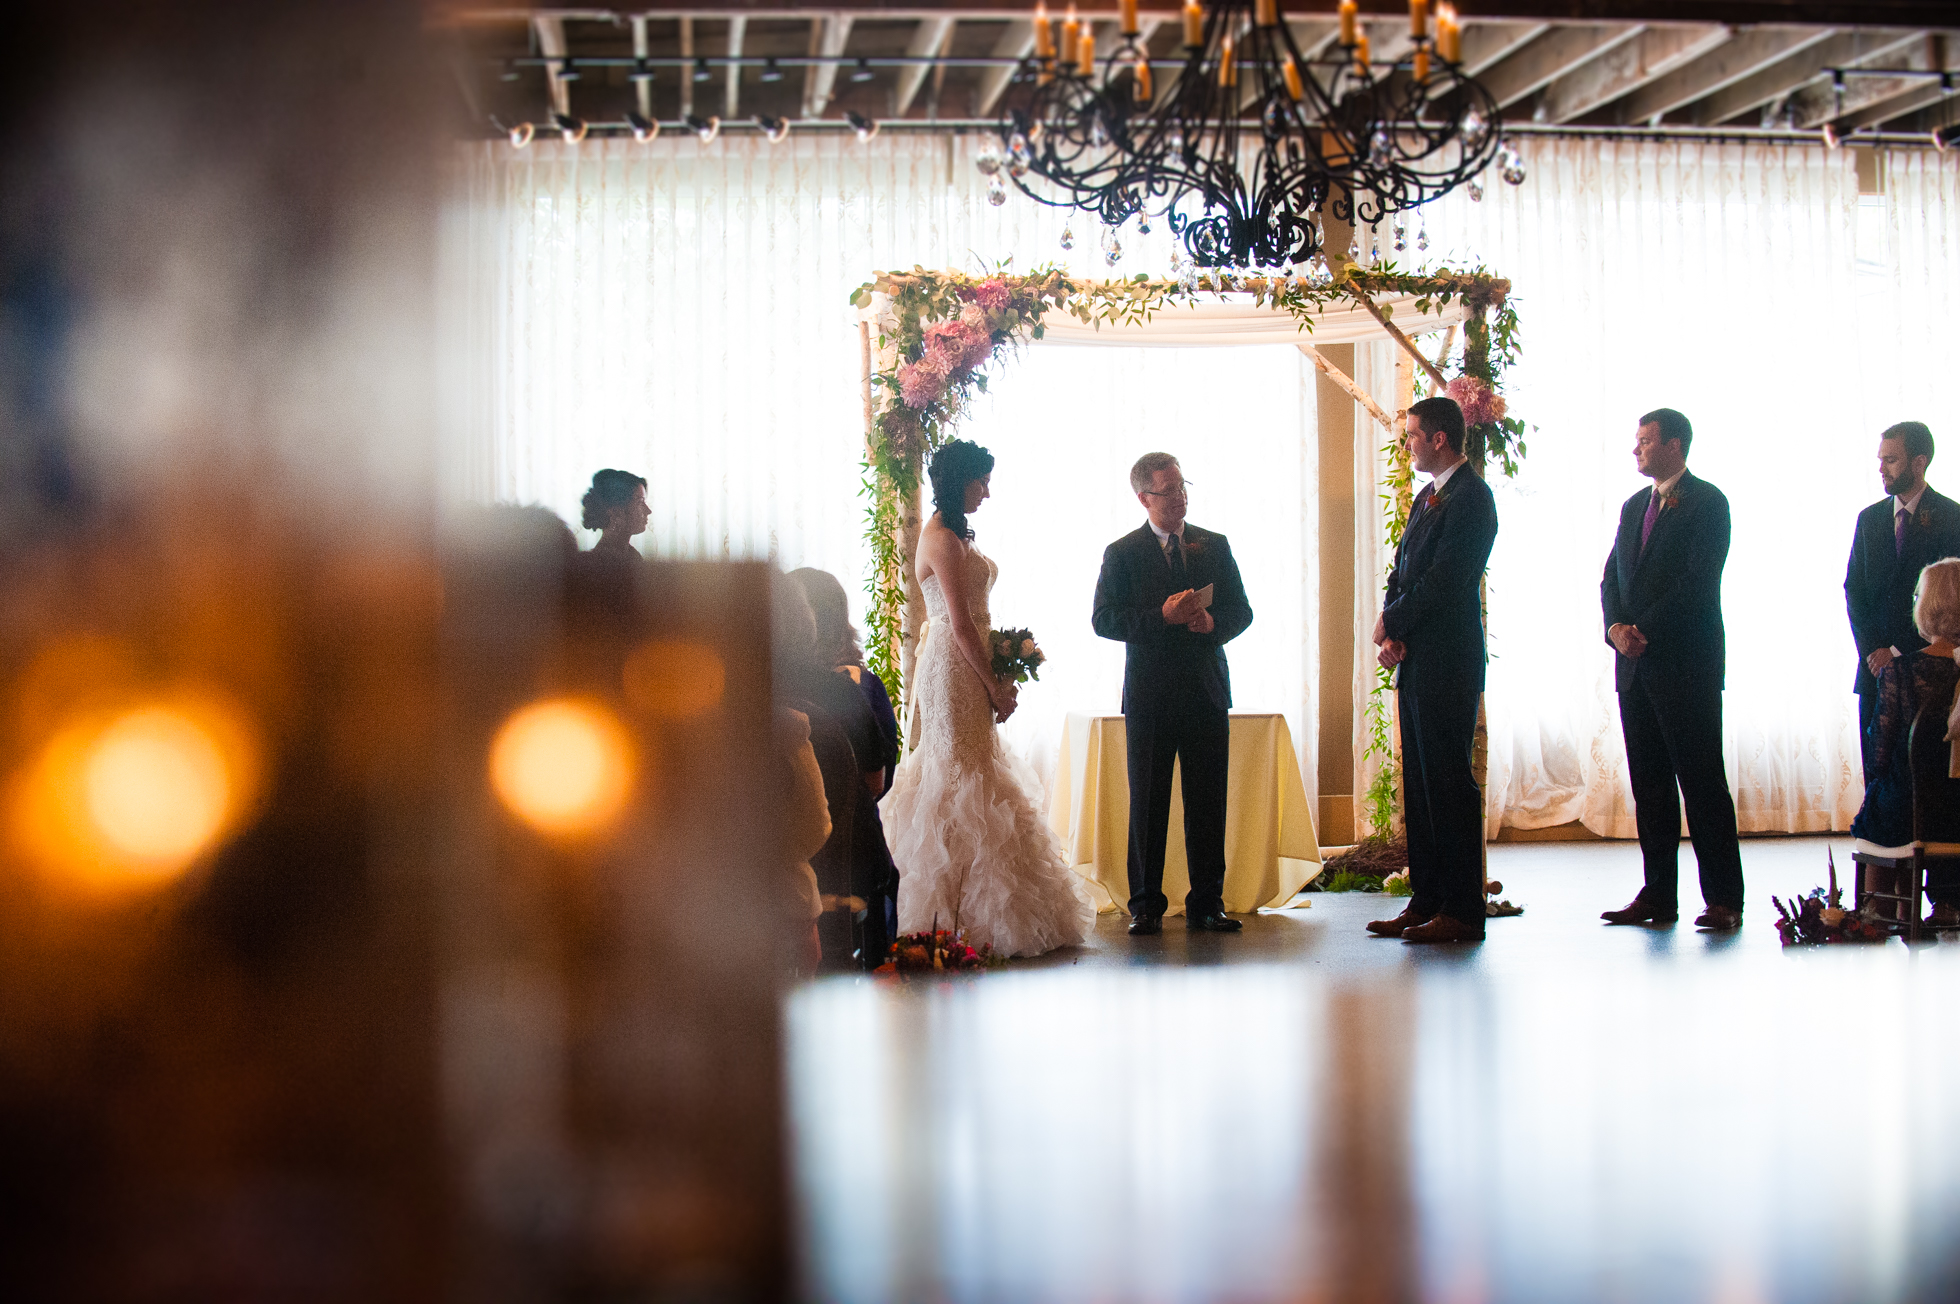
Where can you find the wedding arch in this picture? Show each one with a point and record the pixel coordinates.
(928, 339)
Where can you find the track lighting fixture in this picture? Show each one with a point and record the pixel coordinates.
(572, 129)
(521, 134)
(510, 73)
(862, 73)
(770, 72)
(641, 72)
(701, 72)
(865, 127)
(706, 128)
(644, 128)
(773, 129)
(1945, 138)
(568, 69)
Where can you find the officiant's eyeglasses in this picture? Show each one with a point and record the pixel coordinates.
(1180, 490)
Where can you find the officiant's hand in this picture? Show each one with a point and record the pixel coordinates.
(1203, 624)
(1182, 608)
(1381, 629)
(1628, 640)
(1392, 653)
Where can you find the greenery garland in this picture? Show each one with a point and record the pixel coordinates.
(940, 331)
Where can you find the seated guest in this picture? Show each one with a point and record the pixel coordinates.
(837, 646)
(1905, 685)
(845, 738)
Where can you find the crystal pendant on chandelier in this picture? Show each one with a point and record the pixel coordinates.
(1401, 236)
(1097, 136)
(1422, 235)
(1476, 190)
(1474, 129)
(1143, 227)
(1111, 247)
(988, 161)
(1068, 238)
(996, 190)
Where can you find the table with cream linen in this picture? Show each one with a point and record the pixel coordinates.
(1271, 849)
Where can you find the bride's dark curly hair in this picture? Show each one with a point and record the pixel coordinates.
(955, 466)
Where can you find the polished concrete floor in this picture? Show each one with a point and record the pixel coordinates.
(1566, 1112)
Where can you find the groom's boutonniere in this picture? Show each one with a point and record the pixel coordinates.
(1925, 518)
(1193, 547)
(1671, 500)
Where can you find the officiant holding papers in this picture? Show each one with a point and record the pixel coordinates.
(1171, 593)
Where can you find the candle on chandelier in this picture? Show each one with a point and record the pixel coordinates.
(1266, 12)
(1418, 18)
(1194, 24)
(1128, 10)
(1422, 64)
(1294, 86)
(1071, 34)
(1144, 92)
(1228, 64)
(1087, 64)
(1449, 35)
(1350, 23)
(1044, 35)
(1361, 52)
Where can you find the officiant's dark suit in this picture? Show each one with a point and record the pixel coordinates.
(1177, 692)
(1433, 607)
(1886, 558)
(1666, 582)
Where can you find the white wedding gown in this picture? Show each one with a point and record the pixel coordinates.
(962, 818)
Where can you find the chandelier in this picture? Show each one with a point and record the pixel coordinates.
(1243, 146)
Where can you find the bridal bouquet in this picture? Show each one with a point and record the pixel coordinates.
(1016, 656)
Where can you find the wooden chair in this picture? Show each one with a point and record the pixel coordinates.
(1895, 877)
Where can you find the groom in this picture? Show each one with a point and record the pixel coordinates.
(1171, 594)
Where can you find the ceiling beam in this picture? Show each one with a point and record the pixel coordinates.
(1749, 53)
(1656, 52)
(1487, 44)
(1016, 42)
(933, 35)
(1923, 95)
(550, 30)
(828, 37)
(1843, 50)
(1550, 57)
(1819, 102)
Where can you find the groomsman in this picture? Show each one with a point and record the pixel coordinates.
(1432, 629)
(1662, 599)
(1897, 537)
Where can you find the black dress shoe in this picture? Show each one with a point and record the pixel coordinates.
(1720, 919)
(1146, 925)
(1215, 922)
(1639, 912)
(1395, 927)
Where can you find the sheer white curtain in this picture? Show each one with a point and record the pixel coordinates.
(1723, 281)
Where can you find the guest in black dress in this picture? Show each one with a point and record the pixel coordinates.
(837, 646)
(1906, 685)
(850, 751)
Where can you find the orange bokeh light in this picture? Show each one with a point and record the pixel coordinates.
(563, 766)
(125, 798)
(675, 679)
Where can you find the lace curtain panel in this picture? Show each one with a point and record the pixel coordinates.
(682, 311)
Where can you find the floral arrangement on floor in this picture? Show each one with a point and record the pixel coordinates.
(1016, 655)
(1820, 918)
(939, 951)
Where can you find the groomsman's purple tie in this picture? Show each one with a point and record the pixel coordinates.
(1653, 514)
(1899, 533)
(1422, 501)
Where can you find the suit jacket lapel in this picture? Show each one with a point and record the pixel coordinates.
(1662, 525)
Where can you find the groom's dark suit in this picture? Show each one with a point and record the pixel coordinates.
(1433, 605)
(1671, 695)
(1177, 692)
(1879, 584)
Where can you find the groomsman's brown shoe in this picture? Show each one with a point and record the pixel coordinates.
(1396, 926)
(1442, 928)
(1720, 919)
(1639, 912)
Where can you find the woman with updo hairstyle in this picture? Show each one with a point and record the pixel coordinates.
(616, 506)
(1911, 687)
(964, 816)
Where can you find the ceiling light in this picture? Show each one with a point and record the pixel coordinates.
(701, 72)
(863, 126)
(641, 72)
(774, 129)
(510, 72)
(1945, 138)
(567, 70)
(521, 134)
(572, 129)
(706, 128)
(863, 73)
(770, 72)
(644, 128)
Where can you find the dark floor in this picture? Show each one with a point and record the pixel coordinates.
(1567, 1111)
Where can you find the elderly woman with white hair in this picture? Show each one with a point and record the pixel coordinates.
(1905, 687)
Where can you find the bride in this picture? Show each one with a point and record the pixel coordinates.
(962, 819)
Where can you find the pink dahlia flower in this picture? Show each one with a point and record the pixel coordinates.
(922, 382)
(993, 295)
(1481, 405)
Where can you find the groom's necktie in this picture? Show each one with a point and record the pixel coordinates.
(1653, 514)
(1422, 502)
(1899, 533)
(1175, 555)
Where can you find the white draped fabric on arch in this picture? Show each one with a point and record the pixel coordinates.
(681, 310)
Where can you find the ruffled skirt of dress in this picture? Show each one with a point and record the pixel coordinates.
(973, 851)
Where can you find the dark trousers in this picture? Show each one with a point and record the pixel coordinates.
(1676, 740)
(1867, 740)
(1200, 735)
(1442, 807)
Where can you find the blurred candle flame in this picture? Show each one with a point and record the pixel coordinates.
(563, 766)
